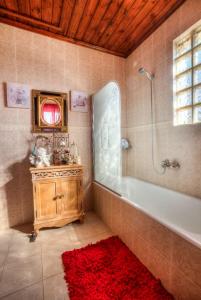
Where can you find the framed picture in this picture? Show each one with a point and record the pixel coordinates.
(79, 101)
(18, 95)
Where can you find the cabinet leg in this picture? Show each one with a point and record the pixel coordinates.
(82, 219)
(33, 236)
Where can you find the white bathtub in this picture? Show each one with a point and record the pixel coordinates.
(179, 212)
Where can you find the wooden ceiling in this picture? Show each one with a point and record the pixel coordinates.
(113, 26)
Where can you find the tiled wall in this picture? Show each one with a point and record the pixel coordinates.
(183, 142)
(53, 65)
(168, 256)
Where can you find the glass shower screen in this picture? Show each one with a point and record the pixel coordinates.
(107, 136)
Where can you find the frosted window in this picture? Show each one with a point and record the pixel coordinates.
(197, 56)
(197, 37)
(185, 116)
(183, 63)
(183, 46)
(197, 75)
(187, 77)
(197, 114)
(184, 99)
(197, 95)
(184, 81)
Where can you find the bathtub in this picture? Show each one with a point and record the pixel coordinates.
(178, 212)
(160, 226)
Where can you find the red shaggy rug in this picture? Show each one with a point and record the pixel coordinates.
(108, 270)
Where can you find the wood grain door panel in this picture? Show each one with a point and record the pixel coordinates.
(46, 200)
(69, 199)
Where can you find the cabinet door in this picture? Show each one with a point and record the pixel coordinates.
(70, 197)
(46, 201)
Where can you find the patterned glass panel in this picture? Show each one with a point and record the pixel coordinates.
(197, 56)
(197, 95)
(197, 75)
(184, 116)
(184, 81)
(197, 114)
(197, 38)
(183, 46)
(184, 99)
(183, 63)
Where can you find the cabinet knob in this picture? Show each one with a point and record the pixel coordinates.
(58, 197)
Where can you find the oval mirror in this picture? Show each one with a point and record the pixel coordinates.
(51, 112)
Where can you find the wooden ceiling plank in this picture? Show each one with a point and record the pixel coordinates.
(24, 7)
(23, 18)
(56, 12)
(36, 7)
(116, 25)
(107, 20)
(57, 36)
(124, 9)
(148, 21)
(67, 9)
(96, 18)
(139, 10)
(161, 19)
(88, 13)
(76, 17)
(2, 3)
(12, 4)
(125, 39)
(47, 8)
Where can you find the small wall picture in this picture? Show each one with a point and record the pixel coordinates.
(79, 101)
(18, 95)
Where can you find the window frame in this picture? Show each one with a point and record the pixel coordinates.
(189, 34)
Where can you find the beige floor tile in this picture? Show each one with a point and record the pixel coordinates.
(1, 272)
(52, 262)
(3, 255)
(19, 251)
(5, 240)
(55, 288)
(85, 231)
(25, 263)
(97, 238)
(17, 276)
(33, 292)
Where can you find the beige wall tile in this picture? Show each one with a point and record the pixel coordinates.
(187, 258)
(182, 143)
(46, 64)
(183, 288)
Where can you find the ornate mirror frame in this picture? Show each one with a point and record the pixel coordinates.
(38, 98)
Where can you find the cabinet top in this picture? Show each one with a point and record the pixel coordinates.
(56, 168)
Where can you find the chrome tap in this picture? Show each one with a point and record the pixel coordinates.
(174, 164)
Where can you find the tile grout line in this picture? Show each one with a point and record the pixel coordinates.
(42, 271)
(4, 263)
(24, 288)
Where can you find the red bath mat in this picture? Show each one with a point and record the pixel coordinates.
(108, 270)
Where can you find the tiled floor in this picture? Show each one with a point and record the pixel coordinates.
(34, 271)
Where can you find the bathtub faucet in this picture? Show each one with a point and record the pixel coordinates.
(174, 164)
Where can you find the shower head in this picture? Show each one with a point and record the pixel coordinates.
(149, 75)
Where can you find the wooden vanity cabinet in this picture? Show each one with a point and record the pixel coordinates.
(58, 195)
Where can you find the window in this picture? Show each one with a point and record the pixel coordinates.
(187, 77)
